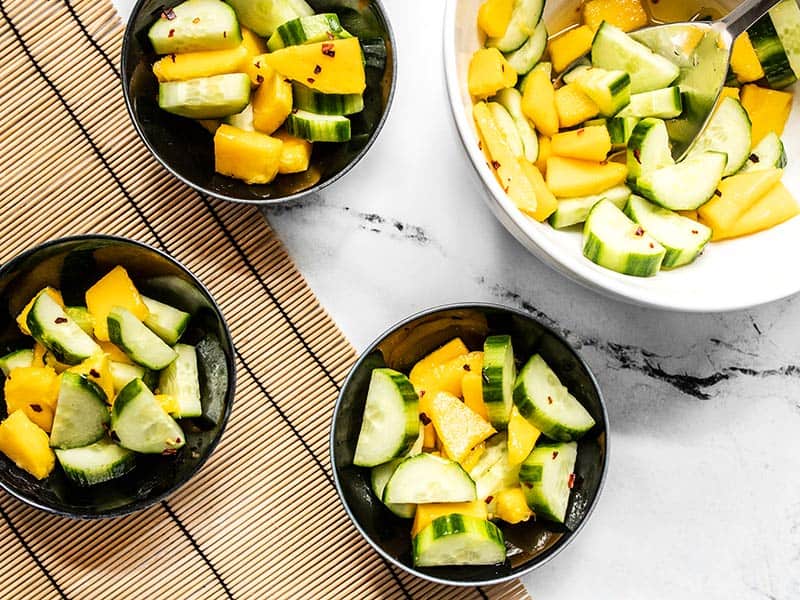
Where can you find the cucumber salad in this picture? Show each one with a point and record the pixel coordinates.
(577, 129)
(268, 78)
(464, 441)
(101, 382)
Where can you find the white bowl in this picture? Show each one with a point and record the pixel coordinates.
(730, 275)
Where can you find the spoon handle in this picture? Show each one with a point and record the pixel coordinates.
(744, 15)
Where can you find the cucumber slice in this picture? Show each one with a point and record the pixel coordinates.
(195, 26)
(243, 120)
(682, 238)
(81, 413)
(499, 373)
(665, 103)
(458, 540)
(82, 317)
(579, 67)
(374, 51)
(545, 478)
(613, 241)
(648, 148)
(495, 451)
(137, 341)
(265, 16)
(785, 17)
(769, 153)
(508, 128)
(180, 380)
(141, 425)
(571, 211)
(511, 100)
(498, 475)
(620, 130)
(51, 327)
(728, 131)
(524, 18)
(547, 404)
(166, 321)
(326, 104)
(524, 58)
(610, 90)
(307, 30)
(122, 374)
(427, 478)
(686, 185)
(391, 419)
(771, 54)
(379, 477)
(15, 360)
(318, 128)
(547, 67)
(614, 50)
(206, 97)
(102, 461)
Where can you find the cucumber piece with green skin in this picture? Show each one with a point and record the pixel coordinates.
(122, 374)
(81, 413)
(665, 103)
(525, 16)
(96, 463)
(136, 340)
(307, 30)
(610, 90)
(524, 58)
(141, 425)
(326, 104)
(181, 381)
(16, 359)
(50, 326)
(265, 16)
(682, 238)
(390, 425)
(769, 153)
(648, 148)
(379, 477)
(620, 130)
(243, 120)
(206, 97)
(499, 373)
(728, 131)
(547, 404)
(166, 321)
(495, 451)
(495, 474)
(572, 211)
(508, 128)
(511, 100)
(545, 476)
(771, 53)
(82, 317)
(195, 26)
(686, 185)
(318, 128)
(579, 67)
(458, 540)
(547, 67)
(614, 50)
(785, 17)
(426, 478)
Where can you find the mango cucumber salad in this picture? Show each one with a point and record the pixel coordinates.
(463, 441)
(267, 77)
(99, 384)
(575, 128)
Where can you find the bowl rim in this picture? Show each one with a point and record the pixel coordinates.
(574, 267)
(230, 392)
(128, 34)
(536, 563)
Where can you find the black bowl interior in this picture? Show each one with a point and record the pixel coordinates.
(72, 265)
(186, 149)
(530, 544)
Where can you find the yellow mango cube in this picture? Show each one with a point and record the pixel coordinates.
(258, 70)
(253, 43)
(545, 151)
(773, 208)
(272, 104)
(34, 391)
(489, 72)
(457, 426)
(539, 102)
(429, 436)
(443, 354)
(570, 46)
(744, 60)
(23, 315)
(428, 513)
(628, 15)
(251, 156)
(522, 437)
(295, 153)
(546, 203)
(27, 445)
(494, 17)
(735, 195)
(511, 506)
(768, 110)
(115, 288)
(472, 390)
(586, 143)
(332, 67)
(728, 92)
(445, 377)
(190, 65)
(97, 369)
(571, 177)
(573, 106)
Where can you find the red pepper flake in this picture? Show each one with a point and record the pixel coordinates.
(495, 164)
(168, 14)
(172, 56)
(60, 320)
(528, 485)
(171, 33)
(259, 79)
(294, 111)
(329, 49)
(36, 408)
(555, 454)
(695, 232)
(639, 231)
(169, 452)
(467, 368)
(177, 440)
(317, 70)
(549, 399)
(225, 34)
(196, 20)
(503, 68)
(754, 158)
(480, 145)
(718, 193)
(424, 418)
(310, 80)
(94, 373)
(258, 64)
(637, 155)
(651, 245)
(489, 499)
(571, 482)
(581, 131)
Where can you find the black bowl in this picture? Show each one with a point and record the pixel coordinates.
(186, 149)
(530, 544)
(72, 265)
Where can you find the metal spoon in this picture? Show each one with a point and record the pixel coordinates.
(702, 50)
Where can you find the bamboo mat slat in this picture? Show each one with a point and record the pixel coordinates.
(261, 519)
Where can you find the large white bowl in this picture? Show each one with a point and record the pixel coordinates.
(730, 275)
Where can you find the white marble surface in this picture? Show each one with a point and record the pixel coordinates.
(702, 498)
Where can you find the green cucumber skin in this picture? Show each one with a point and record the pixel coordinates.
(167, 322)
(16, 359)
(620, 130)
(524, 58)
(118, 462)
(172, 36)
(307, 30)
(326, 104)
(638, 265)
(126, 398)
(304, 124)
(91, 426)
(648, 148)
(455, 524)
(117, 335)
(497, 399)
(531, 475)
(771, 54)
(524, 19)
(768, 154)
(64, 354)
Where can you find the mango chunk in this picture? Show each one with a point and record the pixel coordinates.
(251, 156)
(429, 436)
(258, 70)
(511, 506)
(546, 203)
(744, 60)
(573, 106)
(115, 288)
(586, 143)
(253, 43)
(489, 72)
(768, 110)
(169, 403)
(545, 151)
(443, 354)
(295, 153)
(27, 445)
(628, 15)
(42, 357)
(494, 17)
(447, 377)
(272, 104)
(539, 102)
(735, 195)
(458, 427)
(522, 437)
(570, 46)
(180, 67)
(773, 208)
(23, 315)
(97, 369)
(34, 391)
(571, 177)
(332, 67)
(728, 92)
(472, 390)
(427, 513)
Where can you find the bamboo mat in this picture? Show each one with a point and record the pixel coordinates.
(261, 519)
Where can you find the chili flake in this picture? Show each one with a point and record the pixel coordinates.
(581, 131)
(259, 79)
(467, 368)
(329, 49)
(36, 408)
(317, 70)
(695, 232)
(549, 399)
(571, 482)
(171, 33)
(168, 14)
(94, 373)
(718, 193)
(196, 20)
(639, 232)
(489, 499)
(495, 164)
(424, 418)
(310, 80)
(555, 454)
(754, 158)
(637, 155)
(60, 320)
